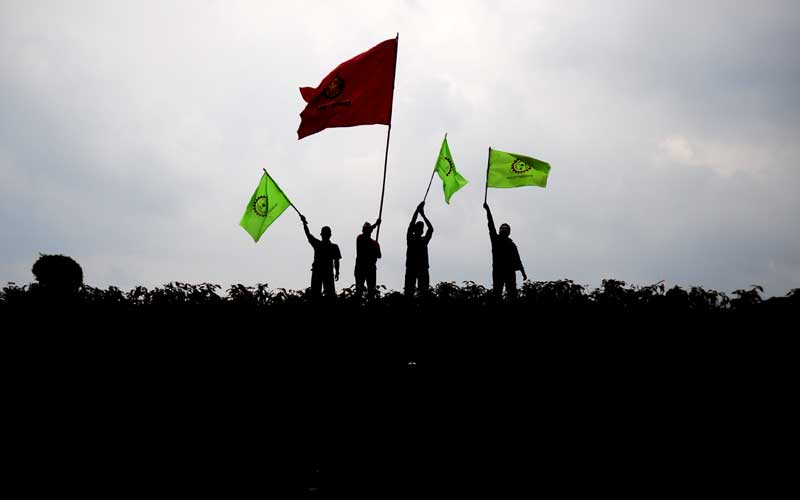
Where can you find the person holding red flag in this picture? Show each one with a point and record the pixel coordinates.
(368, 251)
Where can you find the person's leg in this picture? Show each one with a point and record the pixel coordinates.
(329, 287)
(424, 281)
(316, 285)
(511, 285)
(371, 280)
(408, 288)
(359, 275)
(497, 285)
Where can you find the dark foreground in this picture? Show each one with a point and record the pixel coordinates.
(370, 401)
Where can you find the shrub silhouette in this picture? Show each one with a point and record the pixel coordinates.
(58, 273)
(59, 277)
(746, 299)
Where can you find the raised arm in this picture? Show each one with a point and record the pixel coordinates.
(310, 238)
(429, 233)
(492, 230)
(414, 219)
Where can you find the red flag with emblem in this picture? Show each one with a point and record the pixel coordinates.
(358, 92)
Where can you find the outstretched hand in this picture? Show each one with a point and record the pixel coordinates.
(486, 206)
(377, 222)
(303, 219)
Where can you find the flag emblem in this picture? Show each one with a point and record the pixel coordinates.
(335, 88)
(450, 163)
(520, 167)
(260, 205)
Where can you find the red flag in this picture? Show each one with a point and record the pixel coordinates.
(358, 92)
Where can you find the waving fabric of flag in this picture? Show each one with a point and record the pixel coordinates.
(358, 92)
(510, 170)
(452, 181)
(267, 204)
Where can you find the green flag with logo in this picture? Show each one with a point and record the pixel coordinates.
(510, 170)
(446, 168)
(266, 205)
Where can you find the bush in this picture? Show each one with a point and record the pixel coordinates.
(58, 273)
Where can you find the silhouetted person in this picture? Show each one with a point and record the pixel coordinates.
(368, 251)
(417, 253)
(326, 261)
(505, 259)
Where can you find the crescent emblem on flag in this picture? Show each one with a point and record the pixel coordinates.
(520, 167)
(450, 163)
(260, 205)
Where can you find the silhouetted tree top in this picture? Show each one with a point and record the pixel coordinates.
(58, 273)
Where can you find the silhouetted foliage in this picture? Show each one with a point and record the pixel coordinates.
(746, 299)
(58, 273)
(612, 296)
(365, 379)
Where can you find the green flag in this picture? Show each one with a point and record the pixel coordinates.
(446, 168)
(509, 170)
(266, 205)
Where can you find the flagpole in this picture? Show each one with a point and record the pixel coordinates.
(284, 194)
(432, 174)
(388, 134)
(429, 184)
(486, 190)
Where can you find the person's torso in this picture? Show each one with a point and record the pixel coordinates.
(417, 252)
(504, 254)
(325, 253)
(366, 250)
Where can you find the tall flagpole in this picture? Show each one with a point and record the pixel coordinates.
(388, 134)
(486, 190)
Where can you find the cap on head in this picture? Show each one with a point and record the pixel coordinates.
(325, 232)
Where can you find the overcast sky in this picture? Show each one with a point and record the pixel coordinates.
(132, 135)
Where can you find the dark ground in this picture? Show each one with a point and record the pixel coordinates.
(371, 402)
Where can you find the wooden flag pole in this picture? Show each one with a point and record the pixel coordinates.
(486, 191)
(388, 135)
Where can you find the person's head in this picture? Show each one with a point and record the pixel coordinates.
(366, 228)
(505, 230)
(418, 227)
(325, 233)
